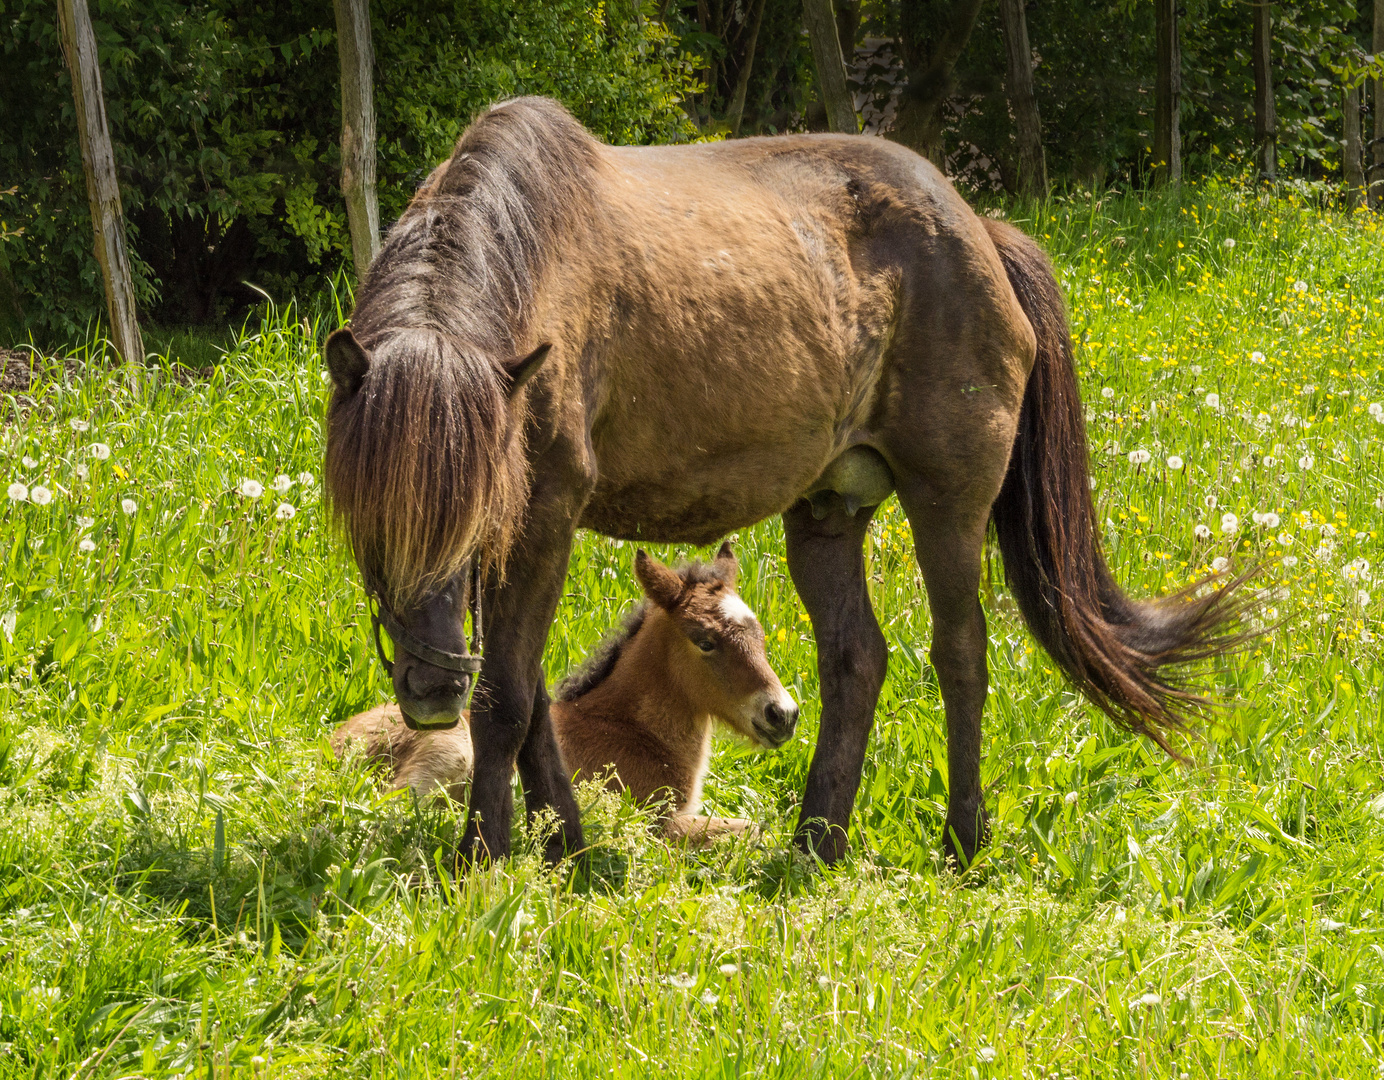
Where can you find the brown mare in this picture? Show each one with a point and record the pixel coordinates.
(670, 343)
(639, 713)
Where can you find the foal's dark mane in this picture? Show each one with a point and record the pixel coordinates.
(598, 666)
(445, 303)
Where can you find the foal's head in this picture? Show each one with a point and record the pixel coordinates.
(715, 654)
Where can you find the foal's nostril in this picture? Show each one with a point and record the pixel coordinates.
(780, 718)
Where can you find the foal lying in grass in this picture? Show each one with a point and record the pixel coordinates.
(639, 713)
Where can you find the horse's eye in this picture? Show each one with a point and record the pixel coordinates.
(706, 645)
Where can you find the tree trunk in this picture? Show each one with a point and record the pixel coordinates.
(847, 27)
(1167, 105)
(1376, 176)
(831, 69)
(918, 122)
(1265, 116)
(742, 78)
(358, 130)
(1353, 164)
(1033, 169)
(98, 162)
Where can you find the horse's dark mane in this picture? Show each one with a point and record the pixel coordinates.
(425, 462)
(598, 666)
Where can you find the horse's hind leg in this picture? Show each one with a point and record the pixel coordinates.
(827, 561)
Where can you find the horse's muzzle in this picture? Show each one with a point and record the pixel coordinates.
(430, 705)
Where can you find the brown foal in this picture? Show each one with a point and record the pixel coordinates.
(639, 714)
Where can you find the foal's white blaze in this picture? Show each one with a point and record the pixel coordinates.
(735, 610)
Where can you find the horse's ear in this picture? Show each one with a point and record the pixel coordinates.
(726, 566)
(661, 585)
(347, 361)
(521, 369)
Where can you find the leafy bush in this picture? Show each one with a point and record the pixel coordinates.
(225, 118)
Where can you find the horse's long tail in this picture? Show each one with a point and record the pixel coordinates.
(1117, 651)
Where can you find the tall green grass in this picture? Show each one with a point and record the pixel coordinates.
(189, 884)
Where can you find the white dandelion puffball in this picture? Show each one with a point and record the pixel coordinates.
(1228, 243)
(1309, 390)
(1290, 561)
(40, 495)
(1211, 502)
(282, 483)
(1107, 392)
(305, 479)
(1174, 462)
(1195, 369)
(1256, 357)
(129, 505)
(1306, 462)
(28, 462)
(1328, 529)
(86, 544)
(1379, 502)
(17, 492)
(1230, 524)
(100, 451)
(1286, 539)
(1202, 532)
(1362, 597)
(85, 523)
(1267, 520)
(80, 471)
(78, 424)
(1377, 411)
(1213, 400)
(251, 489)
(1220, 564)
(729, 969)
(284, 511)
(1299, 286)
(1270, 461)
(1139, 457)
(1357, 570)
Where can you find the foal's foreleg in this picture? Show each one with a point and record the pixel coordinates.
(827, 561)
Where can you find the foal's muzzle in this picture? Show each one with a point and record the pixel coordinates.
(778, 724)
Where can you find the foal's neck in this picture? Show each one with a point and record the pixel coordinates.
(643, 689)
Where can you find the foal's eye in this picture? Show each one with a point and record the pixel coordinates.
(706, 645)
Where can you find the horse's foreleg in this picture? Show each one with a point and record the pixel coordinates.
(827, 562)
(949, 543)
(545, 779)
(509, 719)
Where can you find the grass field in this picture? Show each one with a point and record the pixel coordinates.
(189, 885)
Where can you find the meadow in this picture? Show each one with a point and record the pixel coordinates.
(191, 885)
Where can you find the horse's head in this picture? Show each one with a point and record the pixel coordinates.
(718, 661)
(427, 478)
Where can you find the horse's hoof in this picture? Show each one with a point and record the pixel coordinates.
(823, 841)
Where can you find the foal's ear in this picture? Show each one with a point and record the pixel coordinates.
(521, 369)
(347, 360)
(726, 566)
(661, 585)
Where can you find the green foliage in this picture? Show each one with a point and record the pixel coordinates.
(189, 882)
(225, 118)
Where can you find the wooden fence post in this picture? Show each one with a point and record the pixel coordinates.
(98, 162)
(831, 68)
(358, 130)
(1167, 104)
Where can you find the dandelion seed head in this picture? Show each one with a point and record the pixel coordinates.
(80, 471)
(729, 969)
(1213, 400)
(1362, 598)
(1202, 532)
(305, 479)
(1107, 392)
(251, 489)
(1210, 501)
(1256, 357)
(1230, 524)
(1228, 243)
(284, 511)
(129, 505)
(40, 495)
(282, 483)
(1286, 539)
(1174, 462)
(1306, 462)
(1299, 286)
(1195, 369)
(17, 492)
(86, 544)
(78, 424)
(1376, 409)
(1139, 457)
(1220, 564)
(100, 451)
(1290, 561)
(85, 523)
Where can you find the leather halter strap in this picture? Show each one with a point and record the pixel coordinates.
(468, 663)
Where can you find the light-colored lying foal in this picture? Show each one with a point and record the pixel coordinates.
(639, 714)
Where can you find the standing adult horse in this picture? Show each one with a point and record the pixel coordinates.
(670, 343)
